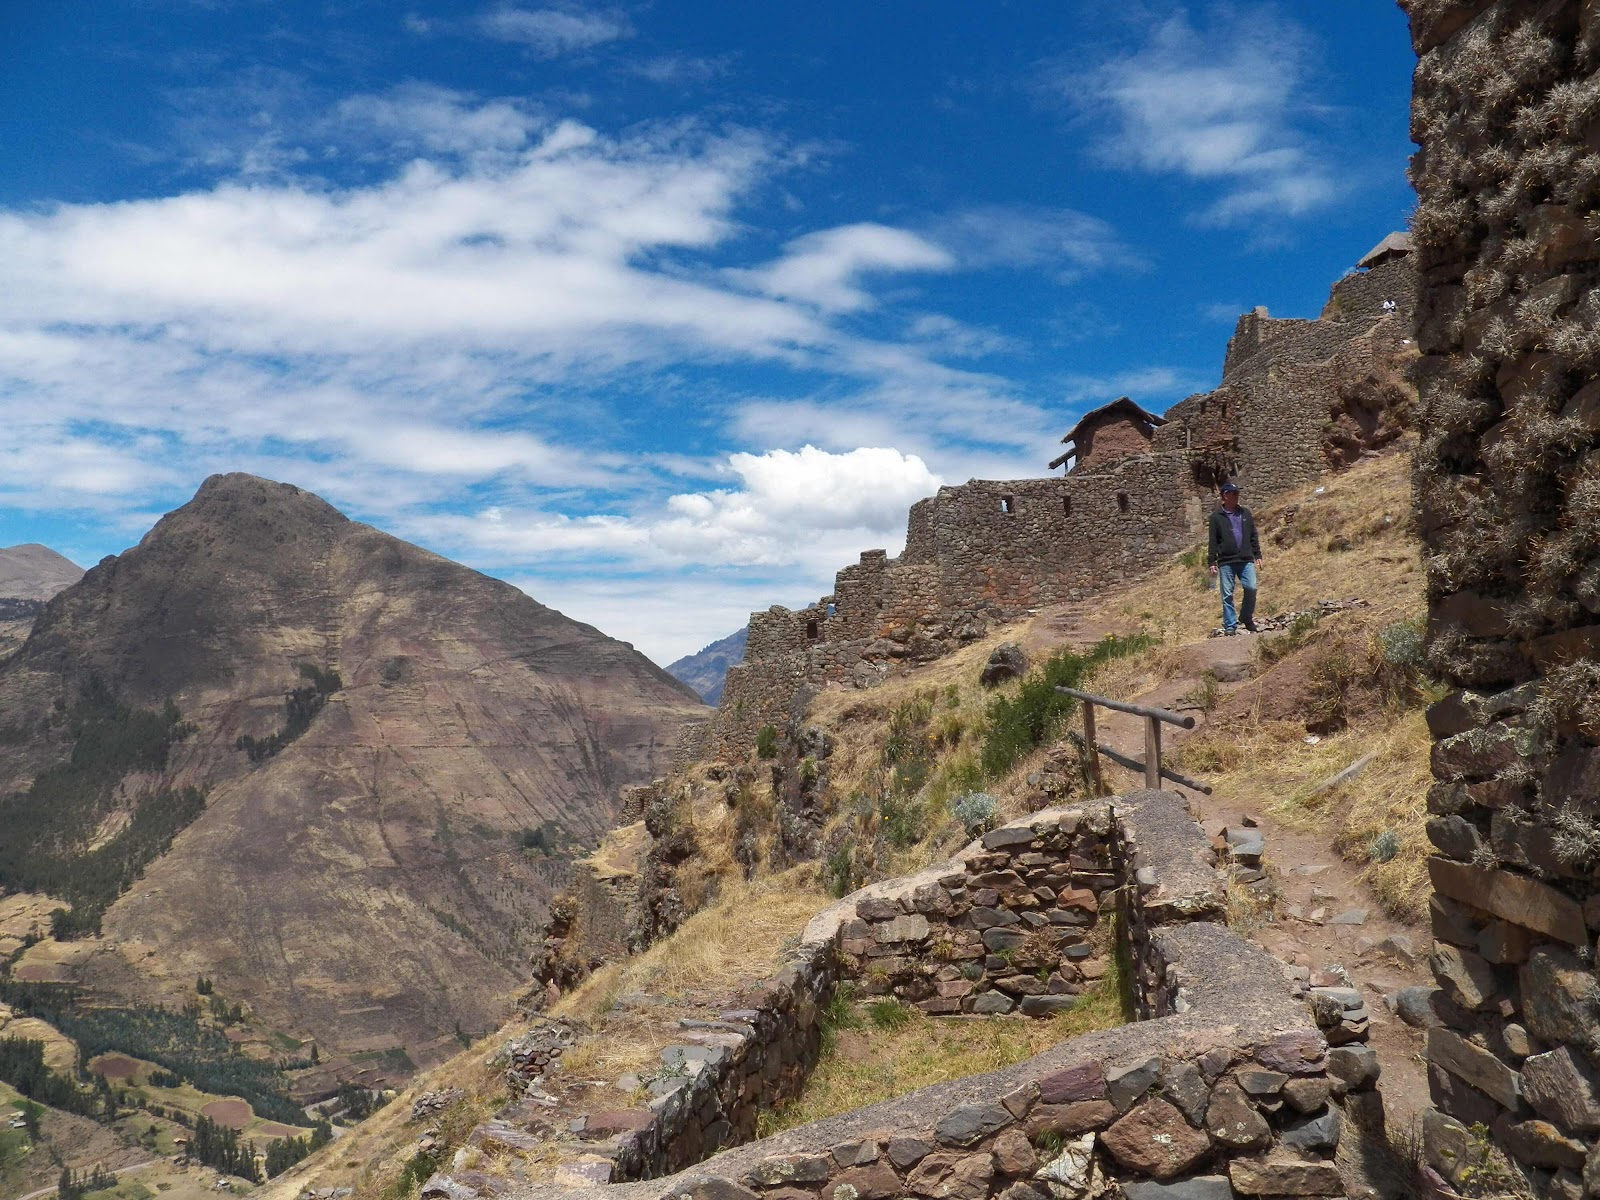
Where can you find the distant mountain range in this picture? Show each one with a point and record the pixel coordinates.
(705, 671)
(360, 754)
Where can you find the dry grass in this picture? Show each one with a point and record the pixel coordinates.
(868, 1064)
(1267, 766)
(1367, 507)
(737, 941)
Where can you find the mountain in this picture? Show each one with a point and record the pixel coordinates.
(396, 756)
(34, 572)
(705, 671)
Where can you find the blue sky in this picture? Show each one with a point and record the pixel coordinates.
(663, 311)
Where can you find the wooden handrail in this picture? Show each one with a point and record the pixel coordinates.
(1138, 710)
(1134, 764)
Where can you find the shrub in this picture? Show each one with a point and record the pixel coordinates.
(1037, 713)
(903, 818)
(767, 742)
(839, 870)
(976, 811)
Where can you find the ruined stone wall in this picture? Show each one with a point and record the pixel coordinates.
(1229, 1090)
(1020, 543)
(1506, 109)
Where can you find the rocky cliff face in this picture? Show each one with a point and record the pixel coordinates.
(382, 876)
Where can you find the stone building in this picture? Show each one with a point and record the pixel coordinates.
(1105, 434)
(1506, 110)
(1137, 493)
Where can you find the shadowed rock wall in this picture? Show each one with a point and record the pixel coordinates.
(1508, 498)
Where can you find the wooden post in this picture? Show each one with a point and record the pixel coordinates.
(1094, 752)
(1152, 753)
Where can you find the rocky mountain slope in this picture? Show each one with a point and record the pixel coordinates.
(706, 670)
(393, 751)
(29, 575)
(35, 572)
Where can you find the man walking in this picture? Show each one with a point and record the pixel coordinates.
(1234, 555)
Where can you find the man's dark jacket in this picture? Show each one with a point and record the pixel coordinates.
(1223, 550)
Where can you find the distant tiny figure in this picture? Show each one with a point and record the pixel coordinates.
(1233, 553)
(1388, 306)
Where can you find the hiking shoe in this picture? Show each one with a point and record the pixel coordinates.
(1230, 633)
(1252, 629)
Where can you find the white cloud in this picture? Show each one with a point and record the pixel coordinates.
(549, 32)
(427, 118)
(823, 268)
(1058, 240)
(807, 506)
(1218, 105)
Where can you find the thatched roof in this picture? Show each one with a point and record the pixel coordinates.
(1392, 246)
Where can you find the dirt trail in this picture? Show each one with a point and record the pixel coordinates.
(1325, 919)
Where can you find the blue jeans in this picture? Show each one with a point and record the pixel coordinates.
(1245, 574)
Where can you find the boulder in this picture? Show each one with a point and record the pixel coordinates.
(1284, 1177)
(1008, 661)
(1467, 978)
(1234, 1121)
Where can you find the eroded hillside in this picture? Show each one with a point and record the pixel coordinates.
(381, 759)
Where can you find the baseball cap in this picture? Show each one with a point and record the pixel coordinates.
(1229, 487)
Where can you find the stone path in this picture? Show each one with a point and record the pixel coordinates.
(1328, 927)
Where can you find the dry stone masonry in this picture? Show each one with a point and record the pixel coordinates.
(1297, 397)
(1506, 110)
(1225, 1089)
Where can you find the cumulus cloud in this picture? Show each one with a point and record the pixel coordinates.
(824, 268)
(549, 32)
(1223, 105)
(803, 506)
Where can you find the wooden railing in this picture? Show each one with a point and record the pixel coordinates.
(1154, 718)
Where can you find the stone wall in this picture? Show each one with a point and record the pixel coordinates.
(1013, 929)
(1230, 1088)
(1506, 109)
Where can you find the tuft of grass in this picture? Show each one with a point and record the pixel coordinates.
(890, 1014)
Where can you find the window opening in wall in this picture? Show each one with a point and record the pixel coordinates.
(1203, 404)
(1066, 506)
(1008, 504)
(1122, 501)
(811, 630)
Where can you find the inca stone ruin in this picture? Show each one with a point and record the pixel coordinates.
(1296, 398)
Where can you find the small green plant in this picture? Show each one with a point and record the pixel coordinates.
(903, 819)
(1271, 650)
(767, 742)
(1206, 693)
(889, 1014)
(976, 811)
(1384, 847)
(839, 870)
